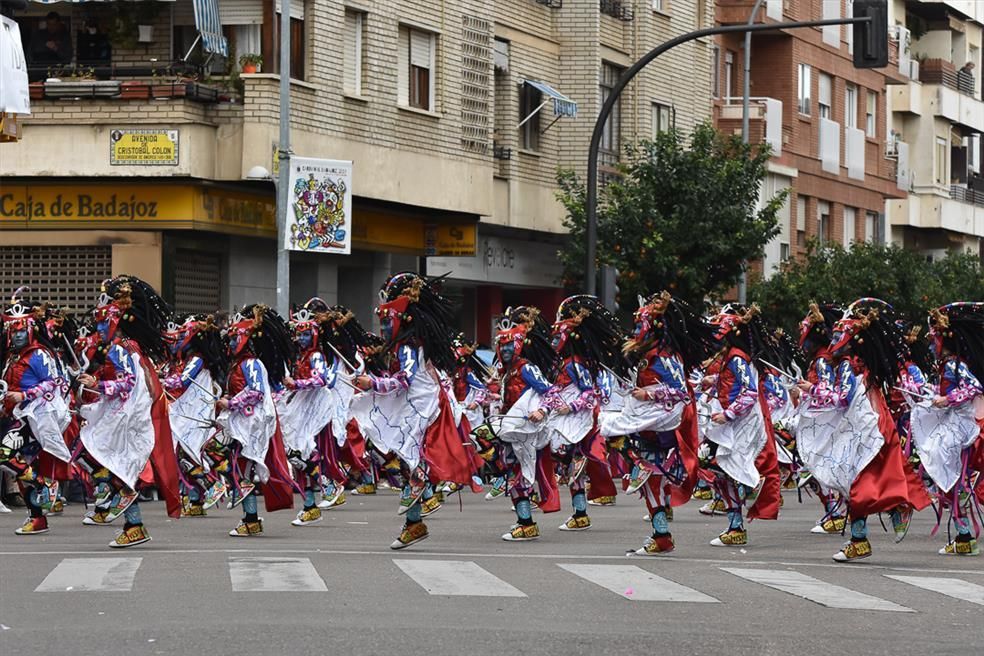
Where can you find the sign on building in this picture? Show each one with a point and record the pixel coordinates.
(153, 147)
(319, 211)
(14, 92)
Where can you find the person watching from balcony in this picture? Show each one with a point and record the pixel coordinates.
(52, 43)
(965, 78)
(93, 45)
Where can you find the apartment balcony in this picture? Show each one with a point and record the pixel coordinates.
(736, 12)
(961, 212)
(951, 95)
(764, 121)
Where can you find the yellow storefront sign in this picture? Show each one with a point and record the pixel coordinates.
(155, 207)
(155, 147)
(451, 240)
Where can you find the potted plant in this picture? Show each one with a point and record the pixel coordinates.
(79, 83)
(134, 90)
(251, 62)
(166, 84)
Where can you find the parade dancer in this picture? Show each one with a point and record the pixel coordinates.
(743, 446)
(588, 340)
(659, 417)
(306, 408)
(197, 366)
(34, 413)
(525, 353)
(846, 434)
(948, 430)
(816, 332)
(124, 409)
(250, 447)
(407, 412)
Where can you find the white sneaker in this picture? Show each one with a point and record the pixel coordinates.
(4, 509)
(330, 500)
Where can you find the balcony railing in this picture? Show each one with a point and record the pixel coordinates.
(967, 195)
(553, 4)
(617, 9)
(940, 71)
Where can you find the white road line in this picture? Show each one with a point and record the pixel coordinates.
(636, 584)
(256, 574)
(456, 578)
(807, 587)
(955, 588)
(91, 575)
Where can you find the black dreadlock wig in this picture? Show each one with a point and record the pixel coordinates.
(752, 334)
(420, 313)
(817, 328)
(785, 351)
(675, 325)
(876, 340)
(919, 353)
(342, 330)
(961, 326)
(537, 344)
(207, 344)
(465, 357)
(270, 342)
(594, 334)
(145, 315)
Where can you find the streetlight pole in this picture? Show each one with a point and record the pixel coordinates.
(591, 196)
(745, 96)
(283, 159)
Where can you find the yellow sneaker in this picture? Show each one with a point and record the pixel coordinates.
(193, 510)
(853, 550)
(33, 526)
(430, 506)
(831, 525)
(57, 508)
(97, 518)
(733, 537)
(365, 488)
(602, 501)
(411, 534)
(961, 548)
(247, 529)
(714, 507)
(657, 545)
(130, 537)
(703, 494)
(521, 533)
(308, 517)
(573, 523)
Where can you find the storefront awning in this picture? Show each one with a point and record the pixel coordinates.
(562, 105)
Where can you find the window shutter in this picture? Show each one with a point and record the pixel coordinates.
(296, 8)
(241, 12)
(420, 49)
(403, 67)
(351, 54)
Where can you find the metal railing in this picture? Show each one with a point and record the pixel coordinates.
(616, 9)
(967, 195)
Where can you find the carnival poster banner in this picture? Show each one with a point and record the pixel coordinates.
(319, 214)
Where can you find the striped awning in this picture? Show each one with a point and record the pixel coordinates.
(210, 27)
(562, 105)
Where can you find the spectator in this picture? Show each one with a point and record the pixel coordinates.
(965, 79)
(93, 46)
(52, 44)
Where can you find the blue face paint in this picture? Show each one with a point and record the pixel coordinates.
(103, 329)
(386, 329)
(305, 339)
(507, 352)
(19, 339)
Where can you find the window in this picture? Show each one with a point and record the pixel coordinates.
(851, 106)
(823, 222)
(659, 5)
(530, 100)
(415, 59)
(354, 22)
(940, 162)
(298, 43)
(850, 215)
(701, 10)
(662, 118)
(870, 128)
(715, 71)
(825, 97)
(804, 89)
(611, 135)
(783, 252)
(801, 221)
(870, 226)
(729, 75)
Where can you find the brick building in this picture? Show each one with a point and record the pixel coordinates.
(825, 120)
(457, 116)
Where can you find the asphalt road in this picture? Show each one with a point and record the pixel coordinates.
(193, 590)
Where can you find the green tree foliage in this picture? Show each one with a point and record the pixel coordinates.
(904, 278)
(682, 217)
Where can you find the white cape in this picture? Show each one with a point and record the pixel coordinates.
(739, 443)
(119, 433)
(636, 416)
(940, 435)
(524, 436)
(48, 419)
(195, 403)
(255, 430)
(303, 415)
(836, 444)
(397, 422)
(572, 427)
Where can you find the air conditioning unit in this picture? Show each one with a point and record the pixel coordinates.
(892, 148)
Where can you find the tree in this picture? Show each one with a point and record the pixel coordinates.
(905, 279)
(682, 217)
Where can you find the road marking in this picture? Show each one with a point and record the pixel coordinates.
(636, 584)
(815, 590)
(955, 588)
(91, 575)
(456, 578)
(256, 574)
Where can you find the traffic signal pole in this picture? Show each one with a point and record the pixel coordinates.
(591, 199)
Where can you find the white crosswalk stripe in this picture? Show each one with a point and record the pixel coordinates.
(636, 584)
(456, 578)
(956, 588)
(815, 590)
(91, 575)
(274, 574)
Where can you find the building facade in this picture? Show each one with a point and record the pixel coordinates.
(936, 121)
(457, 117)
(826, 121)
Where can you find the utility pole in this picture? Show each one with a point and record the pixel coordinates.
(283, 158)
(591, 197)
